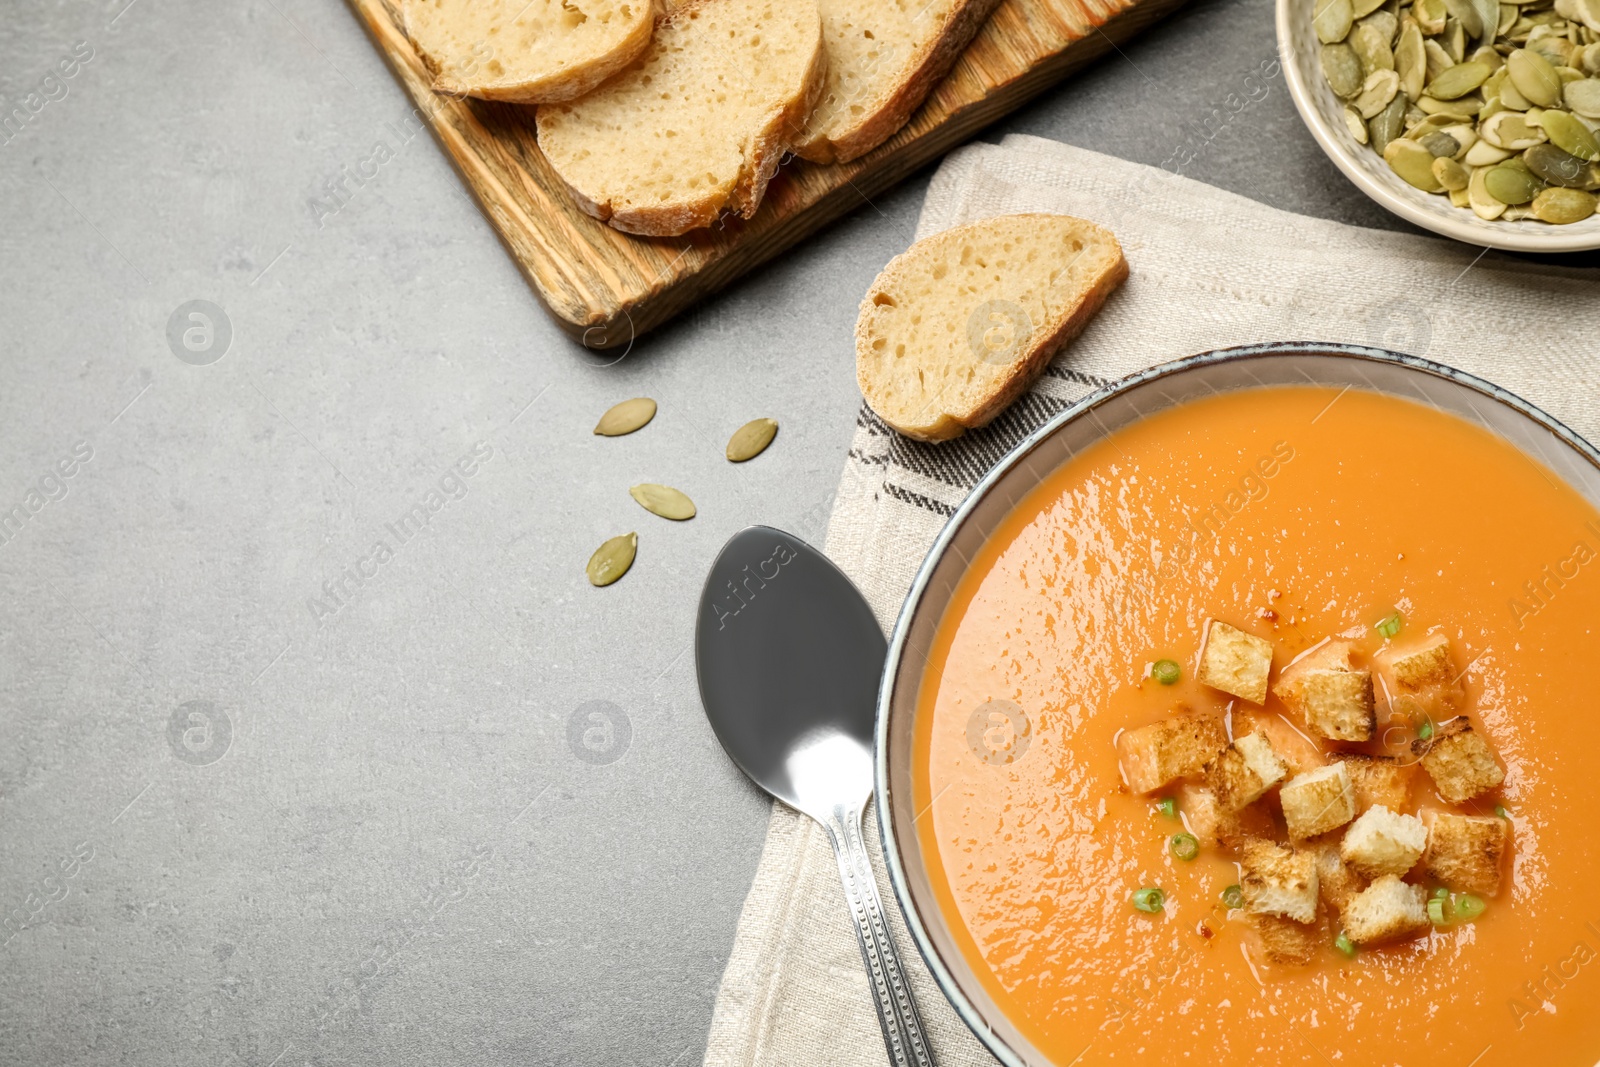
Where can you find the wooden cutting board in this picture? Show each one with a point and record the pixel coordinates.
(606, 287)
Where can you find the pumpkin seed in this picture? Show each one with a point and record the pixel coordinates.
(1355, 124)
(612, 559)
(1584, 11)
(1553, 165)
(1383, 21)
(1458, 81)
(1488, 57)
(1510, 185)
(1454, 39)
(1459, 198)
(1563, 206)
(1450, 174)
(1413, 163)
(1438, 59)
(1410, 61)
(1439, 144)
(626, 417)
(1508, 18)
(1556, 51)
(1430, 15)
(1484, 154)
(751, 439)
(1518, 212)
(1570, 135)
(1388, 123)
(1589, 61)
(1379, 88)
(1371, 48)
(1342, 69)
(1332, 20)
(1466, 14)
(663, 500)
(1362, 8)
(1534, 77)
(1478, 199)
(1511, 131)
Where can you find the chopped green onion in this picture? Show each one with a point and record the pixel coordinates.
(1436, 911)
(1469, 907)
(1390, 625)
(1168, 806)
(1233, 897)
(1184, 846)
(1441, 894)
(1345, 945)
(1150, 899)
(1166, 671)
(1500, 810)
(1425, 731)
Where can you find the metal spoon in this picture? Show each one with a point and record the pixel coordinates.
(789, 656)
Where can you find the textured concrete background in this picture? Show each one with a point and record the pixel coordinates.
(466, 810)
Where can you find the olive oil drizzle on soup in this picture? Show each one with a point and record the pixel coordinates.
(1293, 513)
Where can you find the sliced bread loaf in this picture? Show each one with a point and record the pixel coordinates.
(884, 57)
(699, 124)
(961, 323)
(527, 51)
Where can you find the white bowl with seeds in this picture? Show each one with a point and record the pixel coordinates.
(1487, 134)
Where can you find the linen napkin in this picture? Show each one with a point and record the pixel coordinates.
(1208, 269)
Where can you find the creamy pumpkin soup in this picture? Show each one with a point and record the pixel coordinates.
(1264, 732)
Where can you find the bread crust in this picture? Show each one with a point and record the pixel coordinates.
(766, 150)
(929, 66)
(553, 88)
(1022, 371)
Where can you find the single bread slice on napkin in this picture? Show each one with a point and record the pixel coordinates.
(961, 323)
(527, 51)
(699, 124)
(884, 57)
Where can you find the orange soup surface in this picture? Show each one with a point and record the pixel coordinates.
(1295, 513)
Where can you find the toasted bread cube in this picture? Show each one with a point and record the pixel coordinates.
(1386, 910)
(1214, 827)
(1298, 752)
(1421, 679)
(1243, 771)
(1383, 842)
(1465, 852)
(1173, 748)
(1236, 662)
(1337, 881)
(1286, 941)
(1382, 780)
(1459, 761)
(1317, 802)
(1278, 880)
(1325, 689)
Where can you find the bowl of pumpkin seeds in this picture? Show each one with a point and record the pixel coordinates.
(1475, 119)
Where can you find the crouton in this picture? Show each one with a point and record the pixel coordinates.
(1235, 662)
(1386, 910)
(1212, 826)
(1243, 771)
(1317, 802)
(1173, 748)
(1421, 679)
(1382, 780)
(1278, 880)
(1325, 689)
(1459, 761)
(1286, 941)
(1337, 881)
(1383, 842)
(1298, 751)
(1465, 851)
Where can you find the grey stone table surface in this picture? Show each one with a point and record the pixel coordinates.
(317, 746)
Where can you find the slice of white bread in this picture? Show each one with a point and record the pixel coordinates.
(527, 51)
(961, 323)
(699, 124)
(884, 57)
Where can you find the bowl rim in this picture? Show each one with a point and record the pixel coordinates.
(897, 641)
(1557, 239)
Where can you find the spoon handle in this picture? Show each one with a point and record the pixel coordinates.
(897, 1013)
